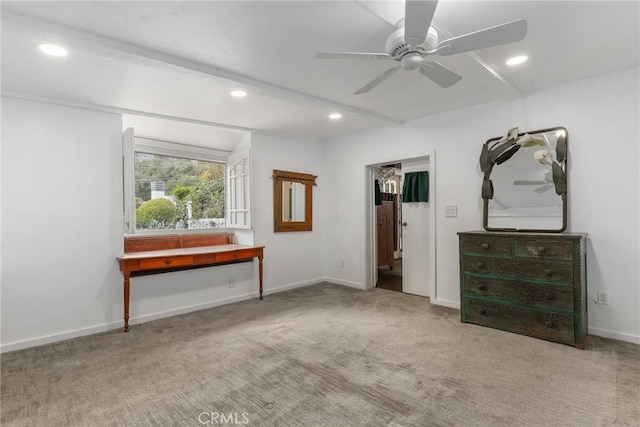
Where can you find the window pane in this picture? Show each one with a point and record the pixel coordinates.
(239, 193)
(232, 194)
(177, 193)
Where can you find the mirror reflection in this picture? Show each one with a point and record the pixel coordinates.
(293, 200)
(528, 183)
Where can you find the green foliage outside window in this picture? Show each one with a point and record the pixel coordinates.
(157, 214)
(199, 184)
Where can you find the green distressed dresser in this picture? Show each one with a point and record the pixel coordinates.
(528, 283)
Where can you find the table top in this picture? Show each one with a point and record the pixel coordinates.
(185, 251)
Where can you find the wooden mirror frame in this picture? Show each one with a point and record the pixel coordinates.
(308, 181)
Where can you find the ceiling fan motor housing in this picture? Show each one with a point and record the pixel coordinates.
(411, 61)
(396, 47)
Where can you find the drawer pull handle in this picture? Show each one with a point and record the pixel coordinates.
(482, 311)
(168, 261)
(484, 246)
(481, 287)
(547, 271)
(541, 249)
(548, 324)
(480, 265)
(548, 297)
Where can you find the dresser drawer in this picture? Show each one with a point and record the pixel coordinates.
(165, 262)
(515, 291)
(543, 324)
(540, 248)
(486, 245)
(535, 269)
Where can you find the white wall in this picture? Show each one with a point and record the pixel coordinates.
(601, 115)
(293, 258)
(61, 170)
(61, 175)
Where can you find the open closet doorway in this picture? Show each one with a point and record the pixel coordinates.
(402, 243)
(388, 226)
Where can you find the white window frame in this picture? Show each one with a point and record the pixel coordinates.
(132, 144)
(238, 203)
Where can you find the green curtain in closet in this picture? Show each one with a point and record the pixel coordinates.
(416, 187)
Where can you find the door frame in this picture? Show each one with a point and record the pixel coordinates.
(371, 261)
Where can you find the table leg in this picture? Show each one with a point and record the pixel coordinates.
(260, 269)
(126, 302)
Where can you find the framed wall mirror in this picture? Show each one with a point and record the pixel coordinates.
(525, 181)
(292, 201)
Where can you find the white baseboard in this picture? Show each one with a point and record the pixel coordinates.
(33, 342)
(345, 283)
(48, 339)
(190, 308)
(604, 333)
(223, 301)
(292, 286)
(634, 339)
(445, 303)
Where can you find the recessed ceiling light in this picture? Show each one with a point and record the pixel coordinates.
(335, 116)
(238, 93)
(517, 60)
(53, 50)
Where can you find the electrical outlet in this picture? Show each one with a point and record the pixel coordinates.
(342, 263)
(603, 297)
(231, 283)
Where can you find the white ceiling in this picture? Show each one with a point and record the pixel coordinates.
(169, 66)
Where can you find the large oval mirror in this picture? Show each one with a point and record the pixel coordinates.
(524, 187)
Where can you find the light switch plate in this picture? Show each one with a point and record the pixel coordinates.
(451, 211)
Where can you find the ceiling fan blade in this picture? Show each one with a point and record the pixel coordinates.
(494, 36)
(526, 182)
(375, 82)
(351, 55)
(417, 20)
(441, 75)
(544, 188)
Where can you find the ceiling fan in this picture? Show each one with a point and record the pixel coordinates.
(411, 45)
(544, 186)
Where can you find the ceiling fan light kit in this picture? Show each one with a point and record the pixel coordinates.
(411, 45)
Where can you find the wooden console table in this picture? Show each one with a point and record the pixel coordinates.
(160, 254)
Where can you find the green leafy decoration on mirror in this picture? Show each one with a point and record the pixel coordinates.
(561, 148)
(498, 152)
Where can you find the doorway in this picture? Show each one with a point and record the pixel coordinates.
(388, 226)
(413, 268)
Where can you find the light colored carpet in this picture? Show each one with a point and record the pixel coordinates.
(323, 355)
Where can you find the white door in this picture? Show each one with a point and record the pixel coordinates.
(415, 239)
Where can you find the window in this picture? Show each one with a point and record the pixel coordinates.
(238, 189)
(173, 188)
